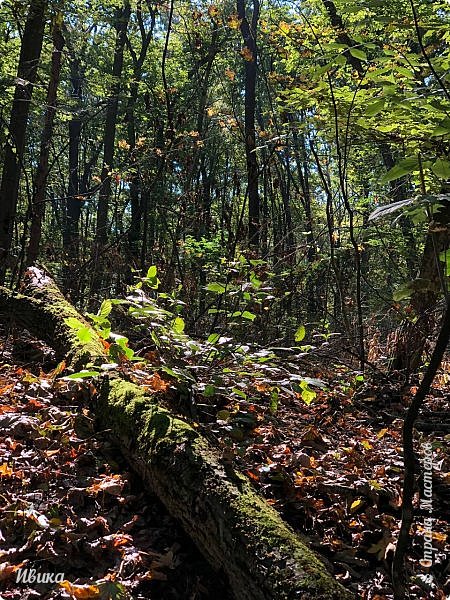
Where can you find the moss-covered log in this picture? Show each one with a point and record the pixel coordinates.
(233, 527)
(236, 530)
(42, 309)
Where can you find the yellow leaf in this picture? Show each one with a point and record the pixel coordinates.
(247, 54)
(381, 433)
(5, 470)
(367, 445)
(355, 505)
(284, 27)
(213, 11)
(81, 592)
(234, 22)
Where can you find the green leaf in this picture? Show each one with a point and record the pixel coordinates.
(105, 309)
(340, 60)
(442, 129)
(308, 395)
(215, 287)
(82, 375)
(273, 406)
(85, 334)
(441, 168)
(408, 73)
(170, 372)
(213, 338)
(407, 289)
(209, 391)
(403, 292)
(178, 325)
(73, 323)
(404, 167)
(152, 271)
(300, 333)
(356, 53)
(248, 315)
(374, 108)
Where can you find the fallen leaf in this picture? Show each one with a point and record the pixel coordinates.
(355, 505)
(5, 470)
(156, 383)
(111, 484)
(6, 570)
(81, 592)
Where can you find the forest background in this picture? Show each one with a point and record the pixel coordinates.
(275, 174)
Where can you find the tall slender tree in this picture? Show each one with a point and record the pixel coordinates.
(30, 53)
(121, 24)
(40, 183)
(249, 53)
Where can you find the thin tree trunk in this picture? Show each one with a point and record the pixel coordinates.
(30, 53)
(121, 25)
(134, 233)
(38, 202)
(250, 57)
(73, 204)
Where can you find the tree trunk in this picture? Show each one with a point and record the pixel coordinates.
(136, 204)
(73, 204)
(121, 25)
(38, 202)
(250, 58)
(231, 525)
(413, 334)
(235, 529)
(30, 53)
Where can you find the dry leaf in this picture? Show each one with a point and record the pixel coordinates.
(246, 54)
(230, 74)
(156, 383)
(81, 592)
(111, 484)
(5, 470)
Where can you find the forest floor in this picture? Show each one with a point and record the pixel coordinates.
(69, 504)
(327, 455)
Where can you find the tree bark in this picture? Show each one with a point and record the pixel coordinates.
(235, 529)
(40, 184)
(73, 204)
(42, 309)
(121, 25)
(249, 31)
(30, 53)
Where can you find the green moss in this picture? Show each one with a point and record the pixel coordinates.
(157, 437)
(152, 425)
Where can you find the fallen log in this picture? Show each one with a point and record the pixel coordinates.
(42, 309)
(234, 528)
